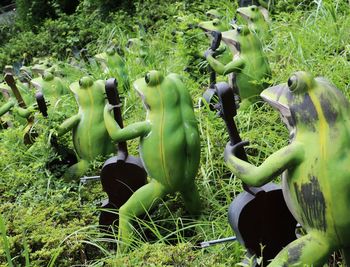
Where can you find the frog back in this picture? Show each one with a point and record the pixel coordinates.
(90, 137)
(170, 152)
(250, 81)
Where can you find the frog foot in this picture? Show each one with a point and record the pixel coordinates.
(234, 149)
(76, 171)
(309, 250)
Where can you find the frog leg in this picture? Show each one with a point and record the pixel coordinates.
(309, 250)
(132, 131)
(191, 198)
(235, 65)
(68, 124)
(6, 107)
(77, 170)
(136, 205)
(274, 165)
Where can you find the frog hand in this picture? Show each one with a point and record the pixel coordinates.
(232, 150)
(24, 112)
(208, 52)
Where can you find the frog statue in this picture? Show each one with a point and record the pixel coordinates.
(51, 86)
(249, 67)
(137, 47)
(315, 167)
(169, 146)
(218, 24)
(114, 66)
(257, 19)
(90, 136)
(11, 101)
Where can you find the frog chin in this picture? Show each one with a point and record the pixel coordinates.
(143, 98)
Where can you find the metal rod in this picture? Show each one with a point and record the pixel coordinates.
(206, 244)
(84, 179)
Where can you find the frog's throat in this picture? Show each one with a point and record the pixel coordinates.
(234, 46)
(276, 96)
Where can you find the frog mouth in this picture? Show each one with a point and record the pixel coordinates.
(277, 97)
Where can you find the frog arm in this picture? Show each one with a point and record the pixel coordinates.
(6, 107)
(138, 129)
(25, 112)
(68, 124)
(234, 66)
(274, 165)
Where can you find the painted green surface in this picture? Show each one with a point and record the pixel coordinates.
(51, 86)
(90, 136)
(114, 66)
(249, 66)
(315, 167)
(169, 146)
(257, 22)
(217, 24)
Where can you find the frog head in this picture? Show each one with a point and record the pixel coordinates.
(47, 76)
(213, 14)
(303, 102)
(148, 89)
(82, 85)
(213, 25)
(241, 40)
(252, 14)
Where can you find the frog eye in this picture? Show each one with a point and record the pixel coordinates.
(216, 22)
(296, 84)
(85, 82)
(147, 77)
(253, 8)
(153, 78)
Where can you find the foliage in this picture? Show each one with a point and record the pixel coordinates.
(31, 13)
(58, 220)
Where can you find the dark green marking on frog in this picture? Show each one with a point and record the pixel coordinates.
(312, 203)
(314, 167)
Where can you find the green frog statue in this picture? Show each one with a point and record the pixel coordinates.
(114, 66)
(218, 24)
(90, 136)
(257, 19)
(51, 86)
(315, 167)
(169, 146)
(11, 101)
(249, 68)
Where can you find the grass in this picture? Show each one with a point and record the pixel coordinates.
(58, 220)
